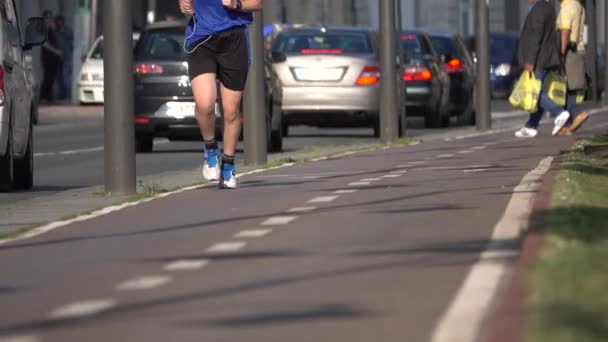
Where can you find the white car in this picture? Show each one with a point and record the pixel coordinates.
(90, 85)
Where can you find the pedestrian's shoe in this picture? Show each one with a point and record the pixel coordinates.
(526, 132)
(560, 122)
(566, 132)
(578, 121)
(228, 176)
(211, 167)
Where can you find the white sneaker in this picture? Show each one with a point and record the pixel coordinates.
(211, 166)
(560, 122)
(526, 132)
(228, 180)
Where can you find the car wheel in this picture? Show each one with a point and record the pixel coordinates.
(24, 167)
(144, 143)
(433, 117)
(6, 165)
(275, 139)
(284, 129)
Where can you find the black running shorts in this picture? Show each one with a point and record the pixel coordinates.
(225, 54)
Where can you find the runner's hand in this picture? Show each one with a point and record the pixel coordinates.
(185, 6)
(229, 3)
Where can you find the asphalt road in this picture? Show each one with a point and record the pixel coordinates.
(69, 149)
(382, 263)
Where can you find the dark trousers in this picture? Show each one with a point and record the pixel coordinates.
(48, 80)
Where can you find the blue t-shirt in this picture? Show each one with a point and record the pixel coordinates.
(211, 17)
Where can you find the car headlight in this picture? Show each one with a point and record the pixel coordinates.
(503, 70)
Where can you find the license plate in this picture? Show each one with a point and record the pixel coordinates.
(180, 110)
(314, 74)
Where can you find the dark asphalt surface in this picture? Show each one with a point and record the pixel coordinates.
(69, 155)
(379, 264)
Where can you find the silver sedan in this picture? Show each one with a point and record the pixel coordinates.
(330, 77)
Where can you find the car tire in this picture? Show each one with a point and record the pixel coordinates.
(24, 167)
(144, 143)
(7, 165)
(284, 128)
(275, 138)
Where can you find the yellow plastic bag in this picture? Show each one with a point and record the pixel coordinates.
(526, 93)
(580, 96)
(557, 88)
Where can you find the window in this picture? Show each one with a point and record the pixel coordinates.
(324, 43)
(162, 45)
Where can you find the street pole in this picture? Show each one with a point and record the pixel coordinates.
(119, 149)
(400, 85)
(93, 32)
(483, 110)
(389, 109)
(255, 111)
(283, 12)
(592, 50)
(606, 53)
(151, 15)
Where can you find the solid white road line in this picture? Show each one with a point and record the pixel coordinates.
(278, 220)
(359, 183)
(186, 265)
(370, 180)
(143, 283)
(252, 234)
(463, 318)
(23, 338)
(396, 175)
(82, 309)
(323, 199)
(475, 170)
(301, 210)
(226, 247)
(341, 192)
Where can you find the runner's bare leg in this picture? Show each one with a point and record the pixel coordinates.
(231, 101)
(204, 89)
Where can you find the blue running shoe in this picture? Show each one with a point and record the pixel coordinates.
(211, 169)
(228, 180)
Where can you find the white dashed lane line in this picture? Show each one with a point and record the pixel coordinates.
(359, 183)
(143, 283)
(396, 175)
(478, 148)
(301, 210)
(323, 199)
(226, 247)
(370, 180)
(279, 220)
(342, 192)
(398, 172)
(82, 309)
(252, 234)
(186, 265)
(445, 156)
(465, 152)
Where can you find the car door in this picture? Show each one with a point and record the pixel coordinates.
(15, 77)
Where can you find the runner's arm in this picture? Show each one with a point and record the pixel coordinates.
(248, 5)
(185, 6)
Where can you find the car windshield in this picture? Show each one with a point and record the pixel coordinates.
(323, 43)
(162, 45)
(97, 52)
(412, 47)
(503, 47)
(444, 46)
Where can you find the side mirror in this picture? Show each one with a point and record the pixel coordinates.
(278, 57)
(35, 33)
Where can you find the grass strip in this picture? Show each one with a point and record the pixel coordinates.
(569, 282)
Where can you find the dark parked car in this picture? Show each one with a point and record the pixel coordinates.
(427, 84)
(460, 67)
(504, 68)
(164, 105)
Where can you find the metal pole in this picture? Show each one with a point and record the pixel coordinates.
(283, 12)
(119, 149)
(93, 32)
(255, 112)
(484, 110)
(606, 53)
(389, 109)
(592, 51)
(151, 15)
(401, 85)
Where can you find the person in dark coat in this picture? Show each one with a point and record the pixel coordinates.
(539, 54)
(51, 57)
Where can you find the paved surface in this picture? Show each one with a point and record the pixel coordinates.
(381, 263)
(69, 149)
